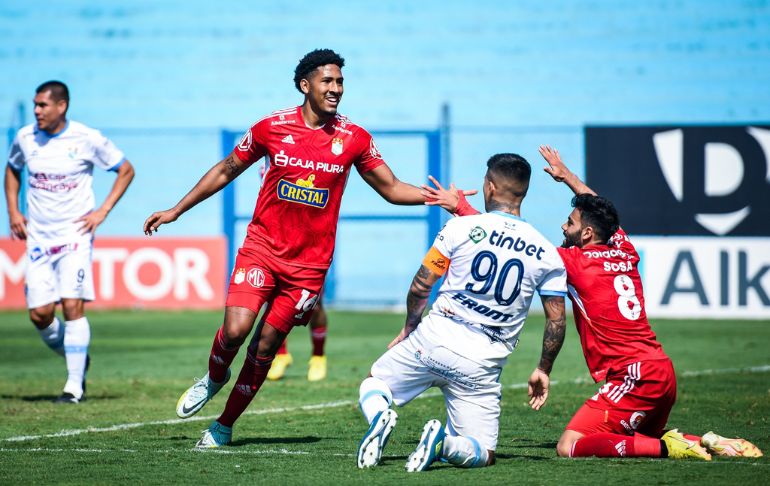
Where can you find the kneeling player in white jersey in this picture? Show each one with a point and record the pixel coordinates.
(60, 156)
(494, 263)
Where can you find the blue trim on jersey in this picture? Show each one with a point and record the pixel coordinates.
(508, 215)
(552, 292)
(115, 167)
(66, 126)
(477, 448)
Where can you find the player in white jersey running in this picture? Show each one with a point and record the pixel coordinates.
(494, 263)
(60, 155)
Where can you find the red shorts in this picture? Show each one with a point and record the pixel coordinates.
(636, 399)
(291, 292)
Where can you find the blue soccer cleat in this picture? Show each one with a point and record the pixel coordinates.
(371, 446)
(429, 448)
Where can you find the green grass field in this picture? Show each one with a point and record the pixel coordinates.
(298, 433)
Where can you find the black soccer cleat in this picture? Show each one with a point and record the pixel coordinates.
(67, 398)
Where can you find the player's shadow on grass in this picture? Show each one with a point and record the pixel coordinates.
(276, 440)
(52, 398)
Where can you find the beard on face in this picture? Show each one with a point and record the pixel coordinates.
(571, 240)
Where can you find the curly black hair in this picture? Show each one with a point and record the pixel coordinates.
(314, 59)
(599, 213)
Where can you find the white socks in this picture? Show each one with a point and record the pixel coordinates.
(77, 337)
(464, 452)
(53, 336)
(374, 396)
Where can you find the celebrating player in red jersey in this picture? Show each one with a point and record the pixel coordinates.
(626, 418)
(290, 239)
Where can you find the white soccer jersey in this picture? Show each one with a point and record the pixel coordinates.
(497, 262)
(60, 178)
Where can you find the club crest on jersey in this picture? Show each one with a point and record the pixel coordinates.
(336, 146)
(256, 277)
(72, 153)
(477, 234)
(303, 191)
(239, 276)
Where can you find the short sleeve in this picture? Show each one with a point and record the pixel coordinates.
(370, 157)
(554, 282)
(16, 156)
(444, 242)
(621, 241)
(252, 146)
(106, 154)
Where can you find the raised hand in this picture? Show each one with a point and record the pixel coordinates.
(445, 198)
(556, 167)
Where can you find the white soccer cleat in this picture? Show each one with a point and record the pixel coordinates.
(429, 448)
(371, 446)
(195, 397)
(217, 435)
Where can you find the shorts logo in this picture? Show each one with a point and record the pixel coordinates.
(337, 146)
(304, 192)
(240, 276)
(36, 254)
(477, 234)
(636, 419)
(256, 277)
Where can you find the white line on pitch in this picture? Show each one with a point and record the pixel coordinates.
(320, 406)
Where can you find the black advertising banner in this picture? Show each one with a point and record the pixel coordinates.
(684, 180)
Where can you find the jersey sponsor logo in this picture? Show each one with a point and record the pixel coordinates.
(517, 244)
(374, 150)
(239, 276)
(72, 152)
(337, 146)
(303, 192)
(282, 122)
(256, 277)
(282, 160)
(477, 234)
(51, 182)
(245, 143)
(288, 139)
(482, 309)
(342, 129)
(615, 253)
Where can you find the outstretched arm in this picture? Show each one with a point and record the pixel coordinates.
(416, 301)
(553, 338)
(212, 182)
(452, 199)
(387, 185)
(561, 173)
(93, 219)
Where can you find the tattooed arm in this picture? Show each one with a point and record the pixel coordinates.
(212, 182)
(416, 301)
(553, 338)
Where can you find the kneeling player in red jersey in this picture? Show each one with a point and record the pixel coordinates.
(290, 239)
(627, 416)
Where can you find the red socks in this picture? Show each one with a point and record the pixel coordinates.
(249, 381)
(283, 349)
(220, 358)
(616, 445)
(318, 338)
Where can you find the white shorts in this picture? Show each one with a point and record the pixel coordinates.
(469, 384)
(58, 272)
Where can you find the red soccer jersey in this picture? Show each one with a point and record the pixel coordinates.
(296, 214)
(608, 305)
